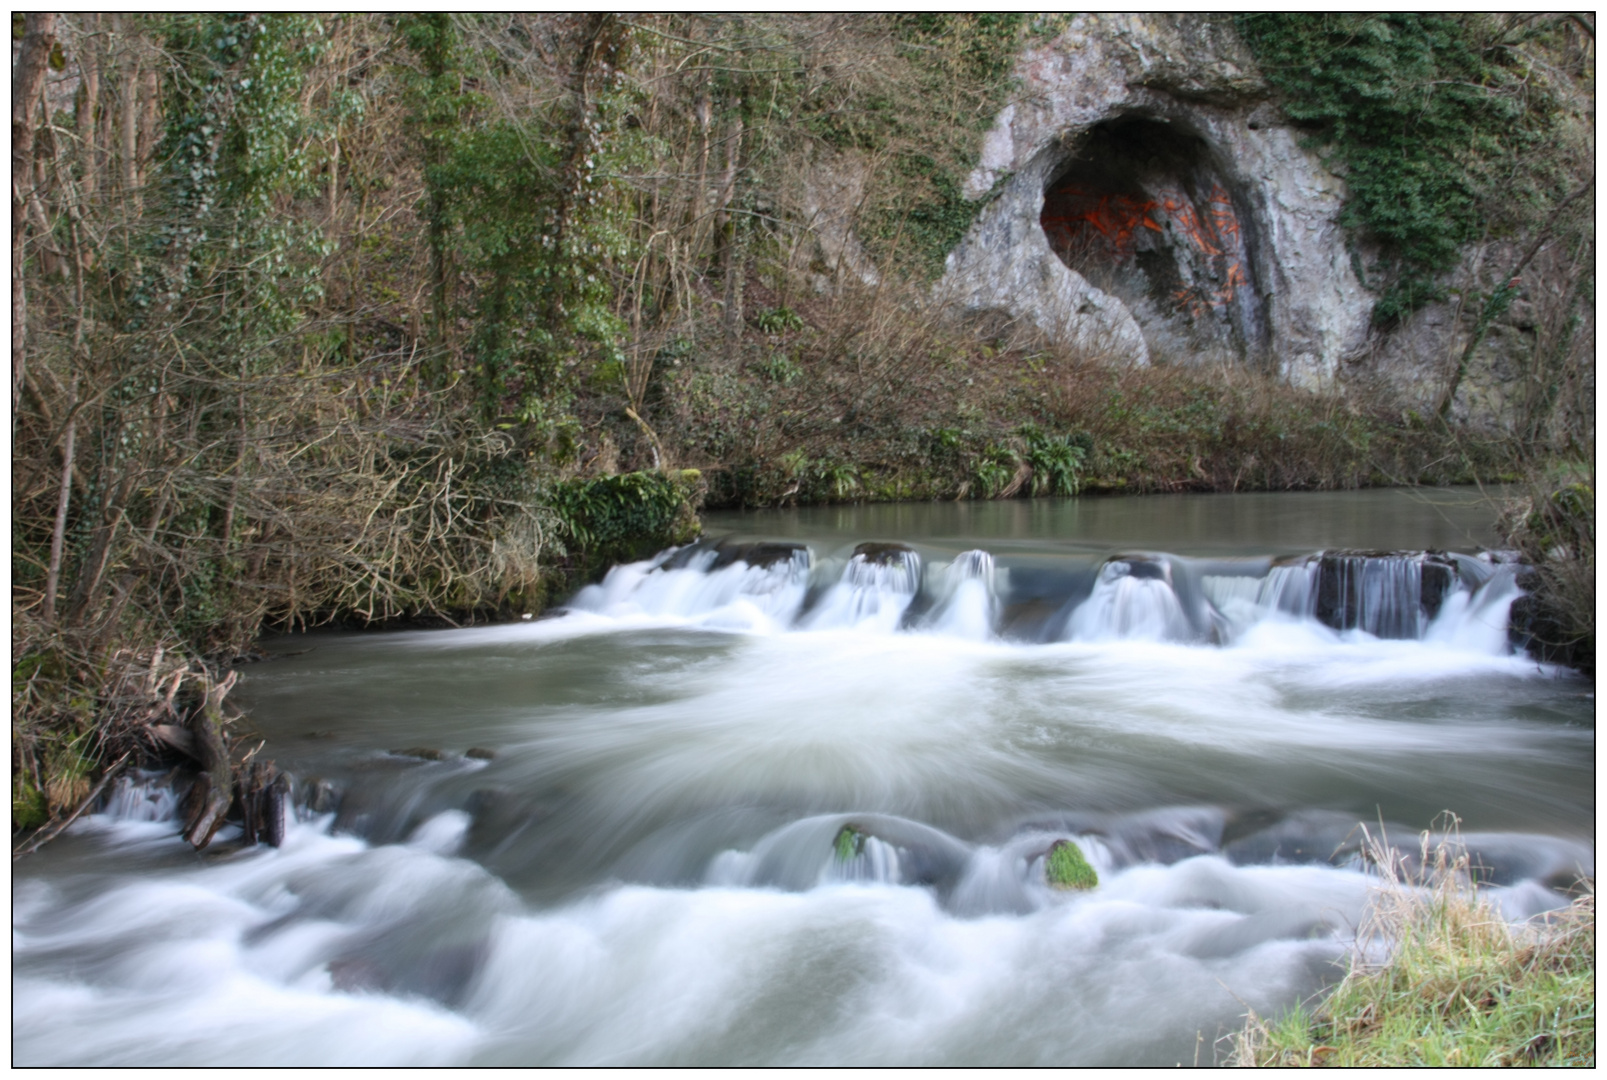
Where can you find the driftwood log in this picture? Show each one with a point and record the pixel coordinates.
(273, 811)
(214, 788)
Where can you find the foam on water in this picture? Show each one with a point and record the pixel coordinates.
(330, 951)
(648, 871)
(290, 957)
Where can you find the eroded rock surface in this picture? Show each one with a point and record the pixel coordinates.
(1203, 229)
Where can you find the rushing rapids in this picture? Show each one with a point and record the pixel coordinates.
(791, 797)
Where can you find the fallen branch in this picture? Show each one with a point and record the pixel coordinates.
(214, 788)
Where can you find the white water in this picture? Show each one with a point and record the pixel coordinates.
(646, 872)
(1125, 604)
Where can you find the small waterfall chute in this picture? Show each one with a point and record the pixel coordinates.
(833, 849)
(859, 856)
(971, 608)
(1132, 600)
(1476, 620)
(739, 584)
(1385, 594)
(878, 583)
(1287, 590)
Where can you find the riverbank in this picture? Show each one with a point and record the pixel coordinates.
(1449, 982)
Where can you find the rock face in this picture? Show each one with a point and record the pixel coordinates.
(1151, 204)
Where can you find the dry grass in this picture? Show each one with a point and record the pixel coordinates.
(1440, 978)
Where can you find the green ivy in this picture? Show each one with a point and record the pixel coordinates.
(1424, 116)
(526, 211)
(630, 516)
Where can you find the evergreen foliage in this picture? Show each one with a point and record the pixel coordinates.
(1431, 118)
(626, 517)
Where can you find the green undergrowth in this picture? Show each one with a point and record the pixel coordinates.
(1552, 524)
(1011, 426)
(630, 516)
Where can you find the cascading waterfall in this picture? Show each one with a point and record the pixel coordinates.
(1455, 600)
(1133, 600)
(749, 588)
(971, 608)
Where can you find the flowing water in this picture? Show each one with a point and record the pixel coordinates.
(786, 796)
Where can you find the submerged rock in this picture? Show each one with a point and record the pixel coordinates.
(322, 797)
(426, 753)
(1066, 868)
(763, 554)
(879, 554)
(479, 753)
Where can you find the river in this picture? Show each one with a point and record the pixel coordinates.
(786, 797)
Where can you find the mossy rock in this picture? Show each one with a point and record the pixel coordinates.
(1067, 869)
(849, 843)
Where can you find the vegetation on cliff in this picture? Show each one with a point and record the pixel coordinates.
(1447, 128)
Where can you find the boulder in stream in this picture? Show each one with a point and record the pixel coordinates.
(883, 554)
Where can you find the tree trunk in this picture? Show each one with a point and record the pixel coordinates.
(128, 117)
(94, 568)
(732, 268)
(85, 122)
(150, 116)
(27, 84)
(1501, 299)
(59, 531)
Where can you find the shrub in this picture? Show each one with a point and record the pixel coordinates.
(627, 517)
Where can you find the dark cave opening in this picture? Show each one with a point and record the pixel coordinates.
(1142, 210)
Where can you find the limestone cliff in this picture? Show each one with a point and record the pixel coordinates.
(1148, 201)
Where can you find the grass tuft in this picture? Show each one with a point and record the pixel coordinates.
(1458, 985)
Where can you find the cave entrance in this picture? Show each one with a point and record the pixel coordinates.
(1142, 211)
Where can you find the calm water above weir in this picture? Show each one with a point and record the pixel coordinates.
(785, 796)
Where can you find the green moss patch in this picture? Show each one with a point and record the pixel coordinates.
(1067, 869)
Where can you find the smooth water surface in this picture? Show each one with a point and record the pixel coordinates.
(652, 869)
